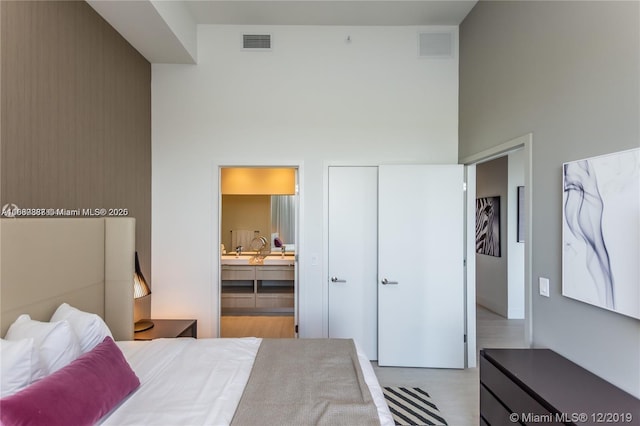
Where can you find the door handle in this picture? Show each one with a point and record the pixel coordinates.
(336, 280)
(387, 282)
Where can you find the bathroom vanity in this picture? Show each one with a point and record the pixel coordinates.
(248, 289)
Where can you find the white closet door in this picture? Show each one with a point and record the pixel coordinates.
(353, 241)
(420, 266)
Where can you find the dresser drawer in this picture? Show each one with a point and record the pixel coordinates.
(491, 411)
(515, 398)
(542, 387)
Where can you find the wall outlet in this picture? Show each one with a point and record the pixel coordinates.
(543, 284)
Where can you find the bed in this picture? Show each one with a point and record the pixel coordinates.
(88, 263)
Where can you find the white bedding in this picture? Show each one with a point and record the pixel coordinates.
(199, 382)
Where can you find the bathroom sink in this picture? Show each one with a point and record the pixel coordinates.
(231, 259)
(277, 260)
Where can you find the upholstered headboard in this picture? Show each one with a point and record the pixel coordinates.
(86, 262)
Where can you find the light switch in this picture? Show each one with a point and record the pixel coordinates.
(543, 284)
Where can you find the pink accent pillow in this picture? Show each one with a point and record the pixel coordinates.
(78, 394)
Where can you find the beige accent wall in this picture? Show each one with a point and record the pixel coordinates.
(245, 212)
(76, 115)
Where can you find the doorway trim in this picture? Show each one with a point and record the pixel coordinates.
(215, 233)
(524, 142)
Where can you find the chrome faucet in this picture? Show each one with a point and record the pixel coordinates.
(238, 250)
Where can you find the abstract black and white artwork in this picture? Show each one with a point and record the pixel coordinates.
(488, 226)
(601, 231)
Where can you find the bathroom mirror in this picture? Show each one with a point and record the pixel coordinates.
(257, 215)
(283, 220)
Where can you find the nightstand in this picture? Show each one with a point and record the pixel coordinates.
(169, 328)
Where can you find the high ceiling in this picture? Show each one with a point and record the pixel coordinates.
(327, 12)
(165, 31)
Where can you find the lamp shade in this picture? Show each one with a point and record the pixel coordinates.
(140, 286)
(140, 289)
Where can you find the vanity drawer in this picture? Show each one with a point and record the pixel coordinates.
(509, 393)
(274, 301)
(238, 300)
(275, 273)
(237, 273)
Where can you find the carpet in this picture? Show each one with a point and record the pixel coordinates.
(412, 406)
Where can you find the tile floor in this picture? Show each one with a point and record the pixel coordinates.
(455, 392)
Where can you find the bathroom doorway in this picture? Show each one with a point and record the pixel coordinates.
(258, 257)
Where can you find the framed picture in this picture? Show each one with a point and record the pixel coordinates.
(520, 231)
(488, 226)
(601, 231)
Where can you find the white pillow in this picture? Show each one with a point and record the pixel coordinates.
(89, 328)
(18, 363)
(56, 342)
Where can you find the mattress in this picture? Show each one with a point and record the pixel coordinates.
(199, 381)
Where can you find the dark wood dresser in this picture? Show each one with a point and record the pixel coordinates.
(540, 387)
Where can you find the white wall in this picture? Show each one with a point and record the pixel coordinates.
(515, 250)
(313, 99)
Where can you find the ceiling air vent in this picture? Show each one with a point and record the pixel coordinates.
(256, 41)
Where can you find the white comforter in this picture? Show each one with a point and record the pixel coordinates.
(198, 382)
